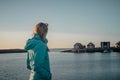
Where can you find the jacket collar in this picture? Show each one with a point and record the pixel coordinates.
(36, 36)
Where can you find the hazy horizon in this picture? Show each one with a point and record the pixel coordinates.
(69, 22)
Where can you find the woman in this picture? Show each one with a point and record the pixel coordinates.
(37, 56)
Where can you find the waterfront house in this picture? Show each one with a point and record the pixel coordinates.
(105, 46)
(78, 47)
(90, 46)
(117, 45)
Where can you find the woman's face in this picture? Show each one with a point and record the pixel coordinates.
(45, 31)
(44, 35)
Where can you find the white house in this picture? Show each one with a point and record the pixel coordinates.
(78, 46)
(90, 46)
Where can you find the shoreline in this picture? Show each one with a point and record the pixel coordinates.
(12, 51)
(22, 50)
(112, 49)
(72, 50)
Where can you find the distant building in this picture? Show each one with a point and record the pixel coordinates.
(78, 46)
(117, 45)
(90, 46)
(105, 46)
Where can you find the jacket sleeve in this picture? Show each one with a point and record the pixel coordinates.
(40, 54)
(27, 48)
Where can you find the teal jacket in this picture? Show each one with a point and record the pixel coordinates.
(38, 58)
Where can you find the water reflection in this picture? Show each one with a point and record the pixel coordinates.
(65, 66)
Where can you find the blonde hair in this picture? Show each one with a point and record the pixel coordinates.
(41, 29)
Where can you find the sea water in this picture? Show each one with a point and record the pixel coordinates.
(65, 66)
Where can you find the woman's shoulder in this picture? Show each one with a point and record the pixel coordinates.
(33, 41)
(36, 42)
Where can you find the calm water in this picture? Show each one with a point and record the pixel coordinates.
(65, 66)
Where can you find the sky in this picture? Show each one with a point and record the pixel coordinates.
(70, 21)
